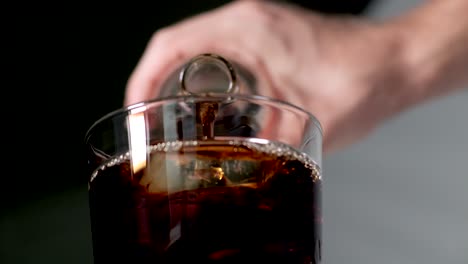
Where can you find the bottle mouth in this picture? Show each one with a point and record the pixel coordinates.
(208, 73)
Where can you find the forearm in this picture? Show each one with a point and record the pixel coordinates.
(435, 53)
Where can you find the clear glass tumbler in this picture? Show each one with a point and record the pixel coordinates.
(211, 178)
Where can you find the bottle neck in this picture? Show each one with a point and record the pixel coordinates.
(245, 82)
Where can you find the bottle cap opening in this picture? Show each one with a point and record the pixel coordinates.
(208, 73)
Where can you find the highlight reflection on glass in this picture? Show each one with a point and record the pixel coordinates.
(137, 137)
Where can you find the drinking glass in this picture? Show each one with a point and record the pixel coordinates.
(206, 178)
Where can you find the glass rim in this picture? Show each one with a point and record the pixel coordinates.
(209, 96)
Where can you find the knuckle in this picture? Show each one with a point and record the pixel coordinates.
(255, 10)
(161, 37)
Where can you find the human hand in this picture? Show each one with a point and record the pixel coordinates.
(345, 71)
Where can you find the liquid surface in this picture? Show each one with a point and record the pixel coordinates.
(208, 202)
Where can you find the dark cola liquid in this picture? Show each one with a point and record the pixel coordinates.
(208, 202)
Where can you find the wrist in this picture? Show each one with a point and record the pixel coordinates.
(433, 47)
(403, 79)
(375, 59)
